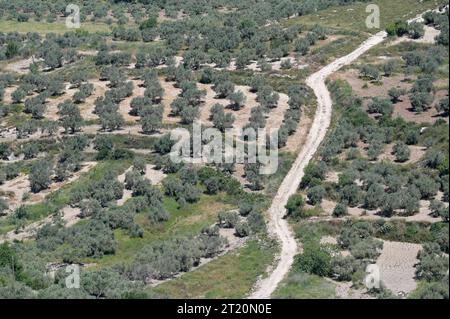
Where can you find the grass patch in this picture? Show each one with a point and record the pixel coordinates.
(285, 161)
(230, 276)
(353, 17)
(188, 220)
(45, 27)
(304, 286)
(337, 48)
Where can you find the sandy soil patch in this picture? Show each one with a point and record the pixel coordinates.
(7, 97)
(373, 90)
(125, 105)
(328, 240)
(276, 66)
(242, 116)
(403, 109)
(396, 262)
(87, 108)
(127, 194)
(170, 94)
(276, 116)
(428, 37)
(87, 52)
(178, 60)
(332, 177)
(233, 241)
(70, 215)
(163, 17)
(345, 290)
(51, 111)
(416, 154)
(151, 174)
(328, 206)
(21, 66)
(424, 214)
(25, 233)
(154, 176)
(38, 197)
(296, 140)
(209, 101)
(16, 188)
(239, 174)
(253, 65)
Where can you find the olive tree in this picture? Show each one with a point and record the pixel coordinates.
(395, 93)
(370, 72)
(340, 210)
(432, 265)
(227, 219)
(40, 175)
(267, 97)
(237, 100)
(18, 95)
(295, 206)
(315, 195)
(442, 106)
(420, 101)
(224, 89)
(389, 67)
(415, 30)
(70, 116)
(154, 91)
(381, 105)
(220, 119)
(53, 55)
(401, 152)
(151, 118)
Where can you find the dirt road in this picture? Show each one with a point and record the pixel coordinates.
(277, 225)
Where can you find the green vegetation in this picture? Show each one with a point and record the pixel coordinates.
(109, 92)
(46, 27)
(185, 221)
(230, 276)
(353, 16)
(301, 285)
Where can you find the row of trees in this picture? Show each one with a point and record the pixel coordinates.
(377, 186)
(167, 258)
(391, 191)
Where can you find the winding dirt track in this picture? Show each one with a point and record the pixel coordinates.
(278, 226)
